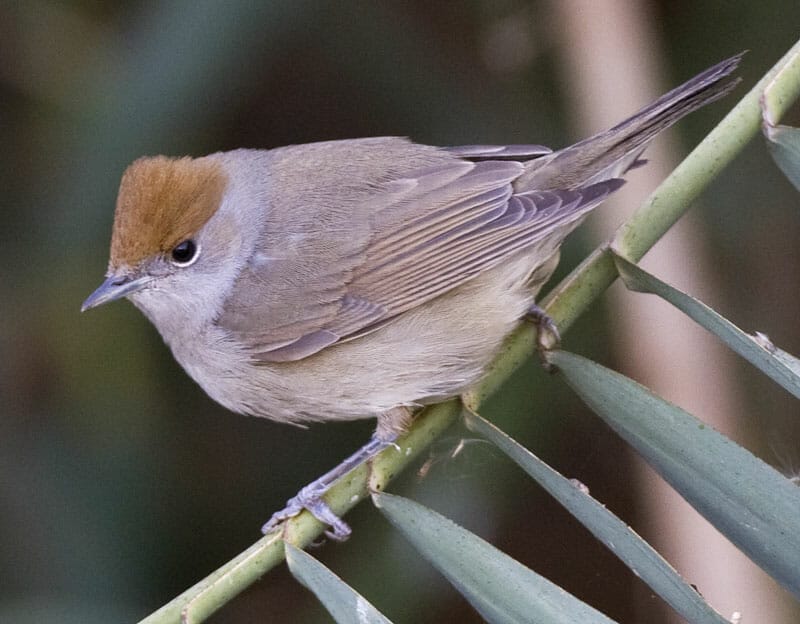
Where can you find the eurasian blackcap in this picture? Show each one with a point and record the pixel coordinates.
(359, 278)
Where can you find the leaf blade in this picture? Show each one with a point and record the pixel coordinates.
(753, 505)
(618, 537)
(344, 603)
(779, 366)
(500, 588)
(784, 146)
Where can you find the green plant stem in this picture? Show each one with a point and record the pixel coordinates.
(779, 94)
(204, 598)
(674, 196)
(564, 304)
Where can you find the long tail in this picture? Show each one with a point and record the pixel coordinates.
(611, 153)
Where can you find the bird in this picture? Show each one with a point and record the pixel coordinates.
(359, 278)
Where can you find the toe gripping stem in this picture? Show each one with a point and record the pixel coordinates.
(310, 497)
(548, 337)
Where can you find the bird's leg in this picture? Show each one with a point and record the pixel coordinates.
(310, 497)
(547, 337)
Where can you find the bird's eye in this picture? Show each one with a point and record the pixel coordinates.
(183, 254)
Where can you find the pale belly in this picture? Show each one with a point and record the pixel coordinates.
(433, 352)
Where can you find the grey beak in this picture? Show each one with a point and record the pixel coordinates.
(114, 287)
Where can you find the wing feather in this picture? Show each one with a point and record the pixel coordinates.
(413, 238)
(499, 152)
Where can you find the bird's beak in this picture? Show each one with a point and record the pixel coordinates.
(114, 287)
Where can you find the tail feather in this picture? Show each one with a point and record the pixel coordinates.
(691, 95)
(611, 153)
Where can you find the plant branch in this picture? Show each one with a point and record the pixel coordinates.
(564, 304)
(674, 196)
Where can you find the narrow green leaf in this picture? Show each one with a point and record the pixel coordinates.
(759, 351)
(784, 145)
(637, 554)
(787, 359)
(757, 508)
(501, 589)
(783, 141)
(345, 604)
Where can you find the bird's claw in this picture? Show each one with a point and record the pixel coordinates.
(547, 336)
(310, 498)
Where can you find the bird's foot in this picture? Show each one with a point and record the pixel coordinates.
(547, 336)
(310, 497)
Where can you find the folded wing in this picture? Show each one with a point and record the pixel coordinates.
(429, 231)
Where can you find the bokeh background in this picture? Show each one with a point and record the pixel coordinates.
(121, 483)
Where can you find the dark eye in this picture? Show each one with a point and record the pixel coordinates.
(183, 253)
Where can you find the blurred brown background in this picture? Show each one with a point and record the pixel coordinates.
(121, 483)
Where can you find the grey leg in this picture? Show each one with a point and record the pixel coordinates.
(310, 497)
(548, 337)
